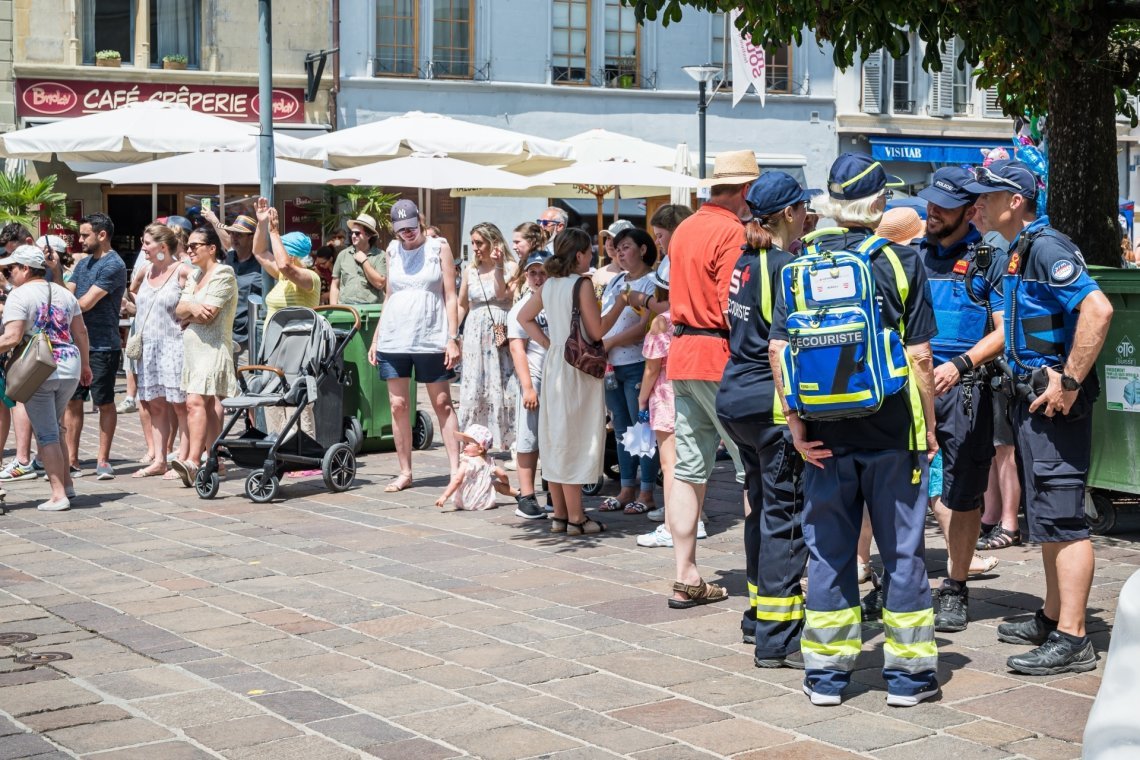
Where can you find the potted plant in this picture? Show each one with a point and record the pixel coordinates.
(108, 58)
(174, 61)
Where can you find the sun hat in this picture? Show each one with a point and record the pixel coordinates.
(1009, 176)
(536, 257)
(28, 255)
(661, 274)
(405, 215)
(775, 191)
(244, 224)
(478, 434)
(297, 244)
(857, 175)
(58, 244)
(947, 188)
(901, 225)
(367, 221)
(734, 167)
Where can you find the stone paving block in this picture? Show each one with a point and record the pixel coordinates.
(46, 695)
(989, 733)
(451, 676)
(163, 750)
(511, 742)
(800, 750)
(1044, 748)
(194, 619)
(97, 737)
(727, 737)
(669, 715)
(1036, 708)
(402, 700)
(863, 732)
(411, 749)
(25, 746)
(30, 675)
(315, 665)
(216, 667)
(290, 648)
(603, 691)
(652, 668)
(234, 636)
(456, 721)
(941, 748)
(253, 684)
(7, 727)
(196, 708)
(492, 655)
(241, 732)
(93, 666)
(674, 752)
(540, 670)
(728, 690)
(293, 748)
(74, 716)
(359, 731)
(147, 682)
(302, 706)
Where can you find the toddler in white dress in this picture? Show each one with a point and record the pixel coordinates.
(477, 479)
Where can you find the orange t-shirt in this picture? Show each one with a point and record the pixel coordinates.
(702, 255)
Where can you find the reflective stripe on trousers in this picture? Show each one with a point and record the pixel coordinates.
(832, 640)
(910, 645)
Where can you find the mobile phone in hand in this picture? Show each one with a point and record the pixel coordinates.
(207, 204)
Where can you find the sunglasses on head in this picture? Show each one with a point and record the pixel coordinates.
(983, 174)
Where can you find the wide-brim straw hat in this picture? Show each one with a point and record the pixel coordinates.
(366, 221)
(735, 167)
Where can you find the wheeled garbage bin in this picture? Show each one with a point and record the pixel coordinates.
(366, 396)
(1114, 485)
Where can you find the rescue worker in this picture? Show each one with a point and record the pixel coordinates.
(959, 272)
(747, 407)
(872, 459)
(1055, 320)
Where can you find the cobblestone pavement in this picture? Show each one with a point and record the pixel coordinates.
(371, 624)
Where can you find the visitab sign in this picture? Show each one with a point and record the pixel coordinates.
(65, 98)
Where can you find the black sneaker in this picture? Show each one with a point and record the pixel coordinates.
(1033, 631)
(793, 660)
(952, 612)
(748, 629)
(872, 606)
(1057, 655)
(528, 508)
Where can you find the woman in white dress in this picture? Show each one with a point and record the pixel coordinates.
(572, 406)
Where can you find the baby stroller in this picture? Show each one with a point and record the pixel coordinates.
(301, 362)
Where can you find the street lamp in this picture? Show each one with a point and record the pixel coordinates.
(703, 75)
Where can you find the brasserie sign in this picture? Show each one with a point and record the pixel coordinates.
(67, 97)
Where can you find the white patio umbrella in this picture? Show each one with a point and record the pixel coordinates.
(603, 145)
(418, 132)
(143, 131)
(431, 171)
(682, 164)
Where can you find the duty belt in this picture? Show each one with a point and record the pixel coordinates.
(679, 330)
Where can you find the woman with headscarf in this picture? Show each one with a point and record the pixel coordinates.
(287, 259)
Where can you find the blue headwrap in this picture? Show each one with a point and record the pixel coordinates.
(297, 244)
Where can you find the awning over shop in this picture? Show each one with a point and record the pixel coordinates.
(931, 150)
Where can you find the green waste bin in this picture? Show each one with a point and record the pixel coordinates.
(366, 396)
(1116, 415)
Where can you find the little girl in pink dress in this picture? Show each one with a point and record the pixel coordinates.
(477, 479)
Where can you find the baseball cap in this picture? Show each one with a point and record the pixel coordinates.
(405, 215)
(1010, 176)
(478, 434)
(857, 175)
(536, 257)
(774, 191)
(179, 221)
(621, 225)
(28, 255)
(947, 188)
(58, 244)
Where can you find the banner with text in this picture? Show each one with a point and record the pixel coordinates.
(748, 62)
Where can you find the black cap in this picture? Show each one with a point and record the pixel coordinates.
(948, 188)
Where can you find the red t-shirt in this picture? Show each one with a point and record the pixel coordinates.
(702, 255)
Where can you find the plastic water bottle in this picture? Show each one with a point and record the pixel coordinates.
(611, 378)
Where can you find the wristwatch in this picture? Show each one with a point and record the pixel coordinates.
(1069, 382)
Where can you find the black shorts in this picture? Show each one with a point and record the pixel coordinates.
(1003, 429)
(428, 367)
(1053, 455)
(104, 368)
(967, 443)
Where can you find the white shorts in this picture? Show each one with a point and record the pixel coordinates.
(526, 420)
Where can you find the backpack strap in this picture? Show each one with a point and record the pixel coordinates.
(765, 288)
(872, 245)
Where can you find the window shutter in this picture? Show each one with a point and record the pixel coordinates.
(873, 83)
(942, 82)
(993, 104)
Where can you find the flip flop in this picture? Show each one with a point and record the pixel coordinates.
(146, 472)
(171, 475)
(186, 472)
(637, 508)
(400, 483)
(610, 504)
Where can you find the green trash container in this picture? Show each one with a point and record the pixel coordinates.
(366, 396)
(1116, 415)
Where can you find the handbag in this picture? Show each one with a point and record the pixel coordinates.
(32, 365)
(133, 349)
(583, 354)
(498, 329)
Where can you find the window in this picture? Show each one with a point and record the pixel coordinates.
(621, 63)
(721, 39)
(779, 68)
(570, 61)
(174, 29)
(108, 25)
(961, 90)
(902, 94)
(451, 39)
(396, 38)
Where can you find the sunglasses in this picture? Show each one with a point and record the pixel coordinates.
(546, 222)
(408, 230)
(354, 233)
(191, 247)
(984, 175)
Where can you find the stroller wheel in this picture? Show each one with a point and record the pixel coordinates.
(354, 434)
(423, 432)
(339, 467)
(207, 485)
(259, 490)
(593, 489)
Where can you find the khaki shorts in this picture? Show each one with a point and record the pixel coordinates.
(698, 432)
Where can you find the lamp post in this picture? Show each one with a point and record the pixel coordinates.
(703, 75)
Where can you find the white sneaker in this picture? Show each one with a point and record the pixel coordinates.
(55, 506)
(127, 405)
(701, 529)
(658, 539)
(910, 700)
(824, 700)
(656, 515)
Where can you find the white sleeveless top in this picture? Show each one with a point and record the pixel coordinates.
(414, 319)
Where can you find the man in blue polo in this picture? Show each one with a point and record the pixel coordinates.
(1055, 320)
(961, 291)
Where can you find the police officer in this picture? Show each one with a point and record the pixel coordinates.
(747, 407)
(961, 291)
(1055, 319)
(872, 460)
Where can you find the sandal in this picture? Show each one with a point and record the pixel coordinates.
(999, 538)
(704, 593)
(171, 475)
(558, 525)
(587, 527)
(186, 471)
(148, 472)
(637, 508)
(985, 565)
(400, 483)
(146, 459)
(610, 504)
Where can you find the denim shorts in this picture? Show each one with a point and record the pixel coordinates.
(427, 368)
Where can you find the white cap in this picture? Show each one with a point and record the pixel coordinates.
(28, 255)
(58, 244)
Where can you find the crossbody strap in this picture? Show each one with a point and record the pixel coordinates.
(173, 268)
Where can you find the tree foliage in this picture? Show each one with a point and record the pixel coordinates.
(25, 202)
(345, 202)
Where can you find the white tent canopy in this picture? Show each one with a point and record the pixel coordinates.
(430, 171)
(603, 145)
(213, 168)
(142, 132)
(418, 132)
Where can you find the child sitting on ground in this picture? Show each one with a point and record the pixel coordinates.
(477, 479)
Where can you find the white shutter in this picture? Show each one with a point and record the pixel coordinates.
(942, 82)
(993, 104)
(873, 83)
